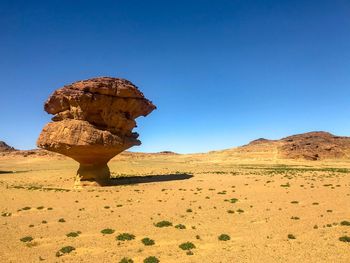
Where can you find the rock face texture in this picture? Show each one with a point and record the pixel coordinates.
(313, 146)
(93, 121)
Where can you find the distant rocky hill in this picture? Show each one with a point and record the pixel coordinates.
(4, 147)
(310, 146)
(7, 150)
(307, 146)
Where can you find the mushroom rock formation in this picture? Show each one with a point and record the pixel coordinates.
(93, 122)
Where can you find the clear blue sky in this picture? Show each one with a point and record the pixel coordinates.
(220, 72)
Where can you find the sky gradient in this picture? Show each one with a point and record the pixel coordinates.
(221, 73)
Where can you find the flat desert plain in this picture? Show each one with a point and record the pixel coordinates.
(228, 209)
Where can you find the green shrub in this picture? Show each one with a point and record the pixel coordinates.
(151, 260)
(73, 234)
(163, 223)
(224, 237)
(187, 246)
(125, 237)
(107, 231)
(126, 260)
(345, 223)
(344, 239)
(6, 214)
(26, 239)
(147, 241)
(180, 226)
(291, 236)
(233, 200)
(64, 250)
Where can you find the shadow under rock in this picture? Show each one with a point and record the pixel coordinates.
(13, 172)
(149, 179)
(6, 172)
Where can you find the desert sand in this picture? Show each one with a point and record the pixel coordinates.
(261, 203)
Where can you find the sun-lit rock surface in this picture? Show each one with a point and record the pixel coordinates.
(93, 121)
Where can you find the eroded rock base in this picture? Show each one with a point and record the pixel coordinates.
(92, 175)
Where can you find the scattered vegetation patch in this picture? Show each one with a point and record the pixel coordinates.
(64, 250)
(344, 239)
(187, 246)
(107, 231)
(285, 185)
(163, 223)
(224, 237)
(61, 220)
(6, 214)
(345, 223)
(286, 169)
(147, 241)
(125, 237)
(126, 260)
(291, 236)
(73, 234)
(151, 260)
(180, 226)
(26, 239)
(233, 200)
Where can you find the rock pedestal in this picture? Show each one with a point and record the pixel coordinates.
(93, 122)
(92, 174)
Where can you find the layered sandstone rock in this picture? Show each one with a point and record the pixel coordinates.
(93, 121)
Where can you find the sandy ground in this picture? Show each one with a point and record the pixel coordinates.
(256, 203)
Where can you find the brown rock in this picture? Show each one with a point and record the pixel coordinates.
(93, 122)
(315, 146)
(308, 146)
(4, 147)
